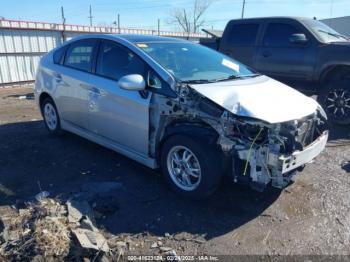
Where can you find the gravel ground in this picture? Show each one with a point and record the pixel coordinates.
(310, 217)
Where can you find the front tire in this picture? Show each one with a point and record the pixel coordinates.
(51, 117)
(190, 169)
(335, 99)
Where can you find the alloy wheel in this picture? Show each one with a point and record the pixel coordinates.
(184, 168)
(50, 116)
(338, 104)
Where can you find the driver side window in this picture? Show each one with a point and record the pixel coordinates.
(278, 34)
(115, 61)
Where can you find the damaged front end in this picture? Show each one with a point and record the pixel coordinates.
(265, 153)
(259, 153)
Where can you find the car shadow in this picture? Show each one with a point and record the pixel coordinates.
(28, 96)
(339, 132)
(32, 161)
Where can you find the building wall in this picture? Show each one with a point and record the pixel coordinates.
(340, 24)
(22, 43)
(20, 52)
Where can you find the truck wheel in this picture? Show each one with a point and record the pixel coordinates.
(335, 99)
(51, 117)
(190, 169)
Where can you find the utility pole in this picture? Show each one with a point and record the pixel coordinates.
(118, 21)
(243, 6)
(158, 26)
(64, 24)
(90, 17)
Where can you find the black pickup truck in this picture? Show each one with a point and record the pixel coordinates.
(303, 53)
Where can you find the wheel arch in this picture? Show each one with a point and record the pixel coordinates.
(198, 131)
(42, 98)
(331, 71)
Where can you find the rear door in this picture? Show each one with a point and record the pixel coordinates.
(117, 114)
(72, 81)
(239, 41)
(283, 60)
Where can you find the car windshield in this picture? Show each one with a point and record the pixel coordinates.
(193, 63)
(326, 33)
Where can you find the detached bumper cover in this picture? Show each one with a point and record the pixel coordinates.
(299, 158)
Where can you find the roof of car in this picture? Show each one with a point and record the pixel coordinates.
(147, 38)
(274, 18)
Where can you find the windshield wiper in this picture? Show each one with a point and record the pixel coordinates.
(206, 81)
(332, 34)
(197, 81)
(232, 77)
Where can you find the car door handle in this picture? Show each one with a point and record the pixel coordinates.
(95, 90)
(90, 88)
(266, 54)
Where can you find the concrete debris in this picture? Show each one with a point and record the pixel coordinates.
(154, 245)
(165, 249)
(91, 240)
(86, 223)
(45, 229)
(48, 229)
(38, 230)
(78, 209)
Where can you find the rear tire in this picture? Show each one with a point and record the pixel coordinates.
(190, 169)
(335, 99)
(51, 117)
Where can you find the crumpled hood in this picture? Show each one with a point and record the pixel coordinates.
(259, 97)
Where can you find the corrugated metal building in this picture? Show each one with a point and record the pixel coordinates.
(22, 43)
(339, 24)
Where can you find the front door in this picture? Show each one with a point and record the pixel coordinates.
(114, 113)
(283, 60)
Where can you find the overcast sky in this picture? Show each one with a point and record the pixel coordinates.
(144, 13)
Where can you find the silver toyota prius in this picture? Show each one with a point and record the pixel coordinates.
(169, 103)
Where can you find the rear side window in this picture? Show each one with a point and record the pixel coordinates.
(58, 56)
(243, 34)
(115, 61)
(80, 55)
(278, 34)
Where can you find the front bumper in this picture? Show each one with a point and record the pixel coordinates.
(299, 158)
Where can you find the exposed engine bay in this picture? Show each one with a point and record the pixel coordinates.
(259, 153)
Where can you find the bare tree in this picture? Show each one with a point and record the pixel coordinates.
(191, 20)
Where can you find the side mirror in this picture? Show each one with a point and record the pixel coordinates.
(298, 39)
(132, 82)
